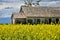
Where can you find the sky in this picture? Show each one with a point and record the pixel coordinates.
(7, 7)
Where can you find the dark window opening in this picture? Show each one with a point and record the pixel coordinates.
(18, 22)
(46, 20)
(23, 21)
(50, 21)
(38, 21)
(57, 20)
(30, 21)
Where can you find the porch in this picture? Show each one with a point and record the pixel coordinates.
(36, 20)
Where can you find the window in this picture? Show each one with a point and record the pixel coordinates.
(57, 20)
(17, 22)
(49, 20)
(53, 20)
(38, 21)
(23, 21)
(30, 21)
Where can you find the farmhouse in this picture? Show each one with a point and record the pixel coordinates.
(36, 15)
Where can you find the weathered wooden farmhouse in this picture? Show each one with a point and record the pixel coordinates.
(30, 14)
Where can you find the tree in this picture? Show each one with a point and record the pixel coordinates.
(30, 2)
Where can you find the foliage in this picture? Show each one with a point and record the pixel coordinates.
(30, 32)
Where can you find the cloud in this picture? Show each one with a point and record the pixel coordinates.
(15, 5)
(46, 0)
(52, 3)
(7, 12)
(11, 1)
(44, 3)
(49, 0)
(6, 9)
(5, 16)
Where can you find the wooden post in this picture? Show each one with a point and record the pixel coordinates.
(59, 20)
(26, 20)
(33, 20)
(13, 20)
(36, 20)
(40, 20)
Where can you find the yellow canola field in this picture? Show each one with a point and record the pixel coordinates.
(30, 32)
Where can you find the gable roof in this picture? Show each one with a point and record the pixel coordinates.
(18, 15)
(41, 11)
(29, 11)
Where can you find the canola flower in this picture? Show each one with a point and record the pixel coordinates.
(30, 32)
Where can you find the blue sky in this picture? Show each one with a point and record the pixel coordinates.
(7, 7)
